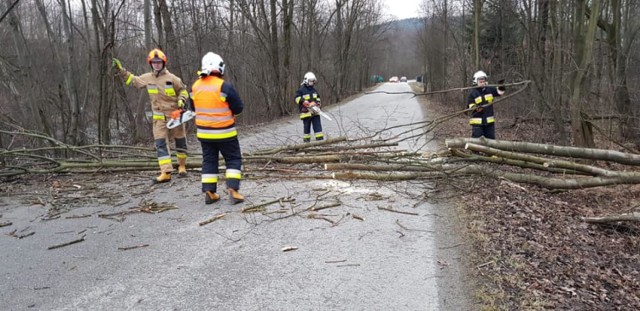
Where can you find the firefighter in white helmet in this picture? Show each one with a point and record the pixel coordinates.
(306, 97)
(216, 103)
(482, 119)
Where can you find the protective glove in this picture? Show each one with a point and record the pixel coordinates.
(180, 103)
(306, 104)
(115, 63)
(502, 87)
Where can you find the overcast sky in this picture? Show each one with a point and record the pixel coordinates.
(402, 9)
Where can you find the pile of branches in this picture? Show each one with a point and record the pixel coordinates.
(561, 167)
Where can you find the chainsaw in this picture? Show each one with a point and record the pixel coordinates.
(179, 117)
(316, 110)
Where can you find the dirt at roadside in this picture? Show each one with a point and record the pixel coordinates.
(528, 247)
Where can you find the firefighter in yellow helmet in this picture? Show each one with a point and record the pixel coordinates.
(217, 103)
(167, 94)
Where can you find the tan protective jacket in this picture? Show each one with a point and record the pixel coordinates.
(164, 90)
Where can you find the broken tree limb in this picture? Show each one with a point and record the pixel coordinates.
(512, 162)
(565, 151)
(551, 182)
(378, 168)
(298, 147)
(352, 175)
(613, 218)
(563, 164)
(294, 160)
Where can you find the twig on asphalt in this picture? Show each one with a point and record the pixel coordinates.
(212, 219)
(397, 211)
(126, 248)
(357, 217)
(314, 209)
(78, 216)
(262, 206)
(5, 224)
(68, 243)
(409, 229)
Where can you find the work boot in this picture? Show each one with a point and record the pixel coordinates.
(211, 197)
(182, 167)
(306, 140)
(235, 196)
(164, 177)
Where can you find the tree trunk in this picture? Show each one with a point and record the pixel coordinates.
(477, 12)
(70, 72)
(584, 38)
(147, 25)
(172, 41)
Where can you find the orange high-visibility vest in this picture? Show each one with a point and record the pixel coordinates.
(214, 119)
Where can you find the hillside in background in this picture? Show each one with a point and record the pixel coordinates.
(400, 51)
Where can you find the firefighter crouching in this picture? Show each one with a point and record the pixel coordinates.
(167, 93)
(482, 118)
(216, 104)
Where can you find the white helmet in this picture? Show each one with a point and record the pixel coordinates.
(478, 75)
(212, 63)
(309, 78)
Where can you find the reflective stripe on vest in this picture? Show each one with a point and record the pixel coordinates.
(168, 89)
(152, 89)
(217, 134)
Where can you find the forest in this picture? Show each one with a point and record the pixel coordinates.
(56, 77)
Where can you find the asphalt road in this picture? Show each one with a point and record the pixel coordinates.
(387, 261)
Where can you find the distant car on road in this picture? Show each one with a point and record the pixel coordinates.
(393, 79)
(403, 79)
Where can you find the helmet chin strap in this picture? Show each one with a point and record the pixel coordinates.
(157, 72)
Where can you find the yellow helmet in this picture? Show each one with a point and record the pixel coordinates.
(156, 54)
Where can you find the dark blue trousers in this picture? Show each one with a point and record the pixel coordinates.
(487, 130)
(231, 153)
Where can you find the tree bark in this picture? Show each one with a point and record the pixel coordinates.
(564, 151)
(584, 38)
(613, 218)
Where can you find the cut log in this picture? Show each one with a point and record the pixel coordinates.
(613, 218)
(564, 151)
